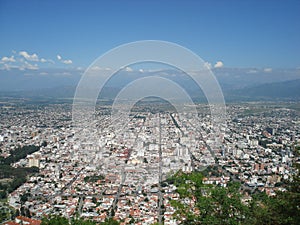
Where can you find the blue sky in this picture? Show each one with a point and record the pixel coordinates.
(248, 33)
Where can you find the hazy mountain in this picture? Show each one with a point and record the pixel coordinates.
(237, 84)
(269, 91)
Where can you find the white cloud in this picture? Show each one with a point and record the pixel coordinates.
(141, 70)
(51, 61)
(8, 59)
(95, 68)
(219, 64)
(66, 74)
(207, 65)
(128, 69)
(34, 57)
(64, 61)
(6, 67)
(79, 68)
(29, 66)
(251, 71)
(267, 70)
(43, 60)
(67, 61)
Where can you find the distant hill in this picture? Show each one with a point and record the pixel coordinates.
(237, 84)
(289, 90)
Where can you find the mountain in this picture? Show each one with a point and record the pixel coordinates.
(237, 84)
(289, 90)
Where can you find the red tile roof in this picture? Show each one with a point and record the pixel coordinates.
(28, 220)
(11, 223)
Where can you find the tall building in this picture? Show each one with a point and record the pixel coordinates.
(270, 130)
(34, 160)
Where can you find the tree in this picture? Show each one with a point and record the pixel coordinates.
(55, 220)
(284, 208)
(2, 194)
(212, 204)
(82, 222)
(94, 200)
(110, 222)
(219, 205)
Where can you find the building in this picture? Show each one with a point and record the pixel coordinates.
(34, 160)
(23, 220)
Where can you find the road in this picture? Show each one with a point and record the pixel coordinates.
(160, 197)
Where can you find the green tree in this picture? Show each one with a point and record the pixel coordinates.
(283, 208)
(82, 222)
(55, 220)
(219, 205)
(110, 222)
(213, 204)
(94, 200)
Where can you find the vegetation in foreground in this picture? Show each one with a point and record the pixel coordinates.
(223, 205)
(213, 204)
(59, 220)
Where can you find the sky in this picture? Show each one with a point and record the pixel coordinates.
(71, 34)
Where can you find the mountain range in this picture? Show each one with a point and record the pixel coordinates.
(237, 84)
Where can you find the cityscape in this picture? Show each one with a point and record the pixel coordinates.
(150, 112)
(124, 172)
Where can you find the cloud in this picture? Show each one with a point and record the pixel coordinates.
(67, 61)
(219, 64)
(96, 68)
(66, 74)
(128, 69)
(64, 61)
(6, 67)
(207, 65)
(29, 66)
(267, 70)
(34, 57)
(8, 59)
(251, 71)
(47, 61)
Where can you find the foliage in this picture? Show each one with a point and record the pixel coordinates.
(59, 220)
(94, 178)
(211, 204)
(20, 153)
(82, 222)
(110, 222)
(219, 205)
(284, 208)
(18, 175)
(55, 220)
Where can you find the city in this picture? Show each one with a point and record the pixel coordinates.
(119, 173)
(150, 112)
